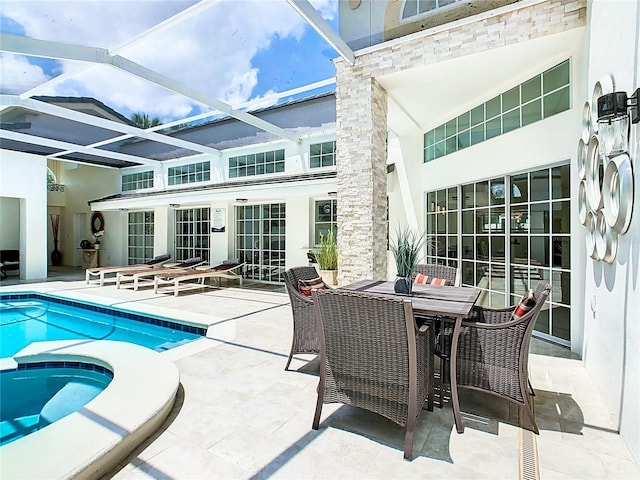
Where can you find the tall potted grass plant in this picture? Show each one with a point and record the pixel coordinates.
(407, 251)
(327, 257)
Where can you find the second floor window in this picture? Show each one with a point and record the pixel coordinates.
(322, 154)
(136, 181)
(413, 8)
(256, 164)
(191, 173)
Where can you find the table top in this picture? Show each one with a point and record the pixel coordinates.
(426, 299)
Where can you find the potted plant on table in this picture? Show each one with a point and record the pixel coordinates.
(96, 239)
(407, 253)
(327, 257)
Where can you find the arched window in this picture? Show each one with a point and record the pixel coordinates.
(51, 177)
(413, 8)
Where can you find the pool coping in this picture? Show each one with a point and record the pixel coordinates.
(89, 442)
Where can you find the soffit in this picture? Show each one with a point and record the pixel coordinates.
(425, 97)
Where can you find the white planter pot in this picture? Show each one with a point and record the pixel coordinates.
(330, 277)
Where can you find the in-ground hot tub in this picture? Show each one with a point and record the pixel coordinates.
(34, 395)
(90, 441)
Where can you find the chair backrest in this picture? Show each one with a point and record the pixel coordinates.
(190, 262)
(368, 344)
(158, 259)
(440, 271)
(540, 295)
(295, 274)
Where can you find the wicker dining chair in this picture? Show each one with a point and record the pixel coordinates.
(493, 353)
(453, 275)
(373, 356)
(305, 332)
(439, 271)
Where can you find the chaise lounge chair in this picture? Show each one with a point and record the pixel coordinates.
(135, 275)
(102, 271)
(173, 279)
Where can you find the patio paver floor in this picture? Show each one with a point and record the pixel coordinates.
(240, 415)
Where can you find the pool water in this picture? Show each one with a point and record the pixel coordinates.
(36, 317)
(36, 395)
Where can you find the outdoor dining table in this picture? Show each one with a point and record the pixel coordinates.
(430, 300)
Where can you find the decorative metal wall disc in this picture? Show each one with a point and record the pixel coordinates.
(590, 223)
(583, 208)
(582, 158)
(617, 193)
(587, 128)
(606, 239)
(594, 173)
(603, 86)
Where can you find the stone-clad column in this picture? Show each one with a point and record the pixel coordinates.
(361, 105)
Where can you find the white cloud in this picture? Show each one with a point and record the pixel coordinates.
(18, 74)
(211, 52)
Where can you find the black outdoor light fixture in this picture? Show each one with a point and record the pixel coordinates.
(615, 105)
(242, 201)
(614, 112)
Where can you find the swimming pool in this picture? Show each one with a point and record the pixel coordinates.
(35, 395)
(33, 317)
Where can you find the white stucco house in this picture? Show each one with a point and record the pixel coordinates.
(473, 121)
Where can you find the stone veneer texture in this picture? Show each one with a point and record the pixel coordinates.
(361, 112)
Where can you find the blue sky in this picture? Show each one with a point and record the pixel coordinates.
(234, 51)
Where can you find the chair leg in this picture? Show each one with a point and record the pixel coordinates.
(316, 417)
(430, 401)
(529, 412)
(532, 392)
(408, 437)
(286, 367)
(526, 412)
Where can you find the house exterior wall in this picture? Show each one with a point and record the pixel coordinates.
(9, 215)
(24, 177)
(604, 298)
(357, 140)
(612, 291)
(82, 184)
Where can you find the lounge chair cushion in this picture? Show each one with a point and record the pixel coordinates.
(226, 265)
(427, 280)
(305, 286)
(526, 303)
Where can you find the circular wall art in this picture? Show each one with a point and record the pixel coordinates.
(587, 128)
(617, 193)
(606, 239)
(582, 159)
(594, 173)
(590, 223)
(583, 207)
(605, 191)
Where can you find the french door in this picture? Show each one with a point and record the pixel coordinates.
(260, 240)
